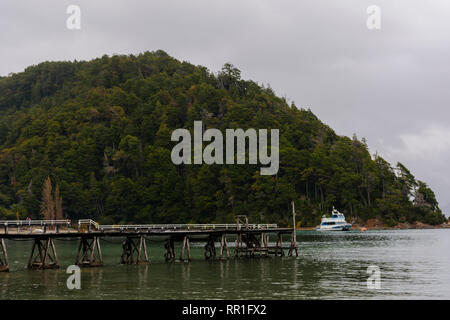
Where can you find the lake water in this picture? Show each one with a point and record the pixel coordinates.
(413, 264)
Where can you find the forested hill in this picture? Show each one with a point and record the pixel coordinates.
(101, 130)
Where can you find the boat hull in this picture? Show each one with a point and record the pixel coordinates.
(345, 227)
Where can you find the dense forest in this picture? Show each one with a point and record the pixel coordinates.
(95, 136)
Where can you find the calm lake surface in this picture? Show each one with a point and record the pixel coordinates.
(414, 264)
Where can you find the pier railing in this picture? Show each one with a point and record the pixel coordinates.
(92, 225)
(18, 224)
(14, 223)
(88, 222)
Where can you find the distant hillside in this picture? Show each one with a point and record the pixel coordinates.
(101, 131)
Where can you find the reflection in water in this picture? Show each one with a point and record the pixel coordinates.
(413, 264)
(4, 281)
(95, 276)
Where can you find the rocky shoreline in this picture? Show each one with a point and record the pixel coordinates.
(375, 224)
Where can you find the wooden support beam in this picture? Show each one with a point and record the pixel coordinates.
(210, 249)
(224, 246)
(183, 244)
(4, 264)
(143, 246)
(89, 253)
(238, 246)
(281, 244)
(169, 254)
(132, 253)
(188, 248)
(78, 251)
(127, 251)
(52, 243)
(221, 247)
(261, 244)
(253, 245)
(99, 249)
(94, 245)
(45, 257)
(266, 243)
(183, 247)
(256, 245)
(293, 246)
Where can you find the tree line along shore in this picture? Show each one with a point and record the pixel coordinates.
(99, 134)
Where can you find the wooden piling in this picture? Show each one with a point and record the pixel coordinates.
(210, 249)
(254, 246)
(144, 246)
(4, 264)
(183, 247)
(238, 246)
(183, 244)
(45, 257)
(224, 246)
(293, 246)
(94, 245)
(169, 254)
(188, 248)
(261, 244)
(279, 245)
(132, 253)
(99, 249)
(89, 253)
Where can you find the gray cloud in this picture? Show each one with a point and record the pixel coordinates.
(389, 86)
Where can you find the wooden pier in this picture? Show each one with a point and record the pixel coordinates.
(251, 240)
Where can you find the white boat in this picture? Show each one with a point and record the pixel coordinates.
(335, 223)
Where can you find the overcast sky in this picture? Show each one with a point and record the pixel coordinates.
(391, 86)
